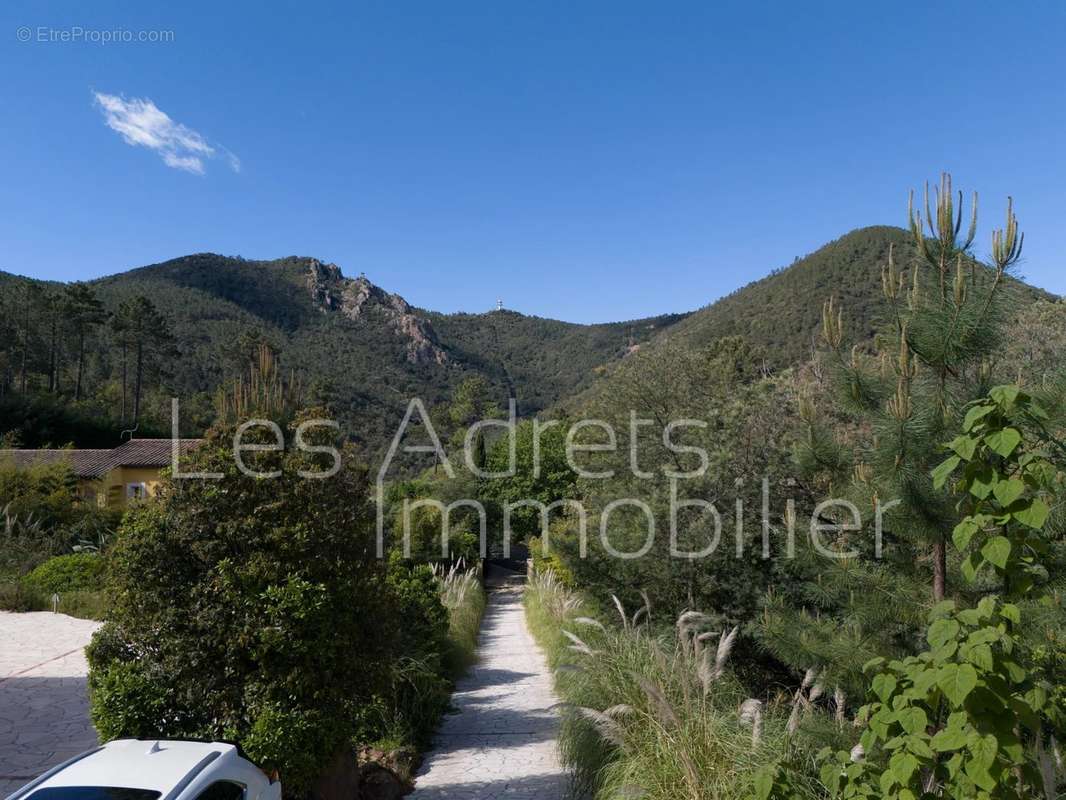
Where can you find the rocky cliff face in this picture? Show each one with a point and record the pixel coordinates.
(358, 297)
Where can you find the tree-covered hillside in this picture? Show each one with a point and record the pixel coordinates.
(349, 343)
(782, 312)
(537, 356)
(359, 349)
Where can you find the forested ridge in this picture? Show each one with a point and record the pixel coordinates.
(359, 350)
(350, 345)
(782, 313)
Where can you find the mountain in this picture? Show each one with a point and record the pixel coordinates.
(354, 344)
(367, 351)
(781, 314)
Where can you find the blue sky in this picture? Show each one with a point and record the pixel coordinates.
(585, 161)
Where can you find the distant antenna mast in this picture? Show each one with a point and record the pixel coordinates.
(499, 305)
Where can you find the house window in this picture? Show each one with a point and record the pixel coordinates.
(135, 491)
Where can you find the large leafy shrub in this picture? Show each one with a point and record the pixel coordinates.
(249, 608)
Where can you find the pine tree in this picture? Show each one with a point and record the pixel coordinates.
(84, 311)
(146, 329)
(53, 307)
(899, 402)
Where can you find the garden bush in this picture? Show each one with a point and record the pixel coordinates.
(249, 608)
(68, 573)
(441, 611)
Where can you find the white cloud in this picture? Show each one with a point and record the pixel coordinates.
(142, 124)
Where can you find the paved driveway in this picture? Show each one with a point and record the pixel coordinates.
(44, 711)
(502, 741)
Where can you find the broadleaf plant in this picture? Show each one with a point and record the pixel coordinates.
(1004, 487)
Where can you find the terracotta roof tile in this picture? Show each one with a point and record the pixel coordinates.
(150, 452)
(97, 463)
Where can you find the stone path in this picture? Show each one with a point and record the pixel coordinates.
(44, 711)
(502, 741)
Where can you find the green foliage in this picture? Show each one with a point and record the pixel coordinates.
(969, 716)
(45, 492)
(50, 421)
(424, 524)
(744, 436)
(442, 611)
(541, 473)
(21, 596)
(1033, 354)
(780, 313)
(215, 305)
(41, 516)
(542, 361)
(245, 601)
(960, 719)
(68, 573)
(1005, 487)
(879, 440)
(419, 686)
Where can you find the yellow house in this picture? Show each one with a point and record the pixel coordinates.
(111, 478)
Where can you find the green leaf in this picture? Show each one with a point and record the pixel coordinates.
(1036, 697)
(963, 446)
(884, 685)
(1015, 671)
(976, 412)
(981, 482)
(944, 470)
(957, 681)
(902, 766)
(964, 532)
(981, 656)
(945, 651)
(986, 606)
(979, 776)
(764, 783)
(949, 739)
(923, 681)
(1004, 442)
(942, 609)
(942, 631)
(1005, 395)
(913, 719)
(997, 550)
(983, 749)
(1035, 515)
(873, 663)
(1008, 491)
(1011, 612)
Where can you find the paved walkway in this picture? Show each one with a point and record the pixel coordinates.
(44, 711)
(501, 743)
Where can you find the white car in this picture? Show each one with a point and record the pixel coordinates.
(134, 769)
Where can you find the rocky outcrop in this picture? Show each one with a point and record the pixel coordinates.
(358, 297)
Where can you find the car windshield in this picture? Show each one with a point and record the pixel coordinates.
(93, 793)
